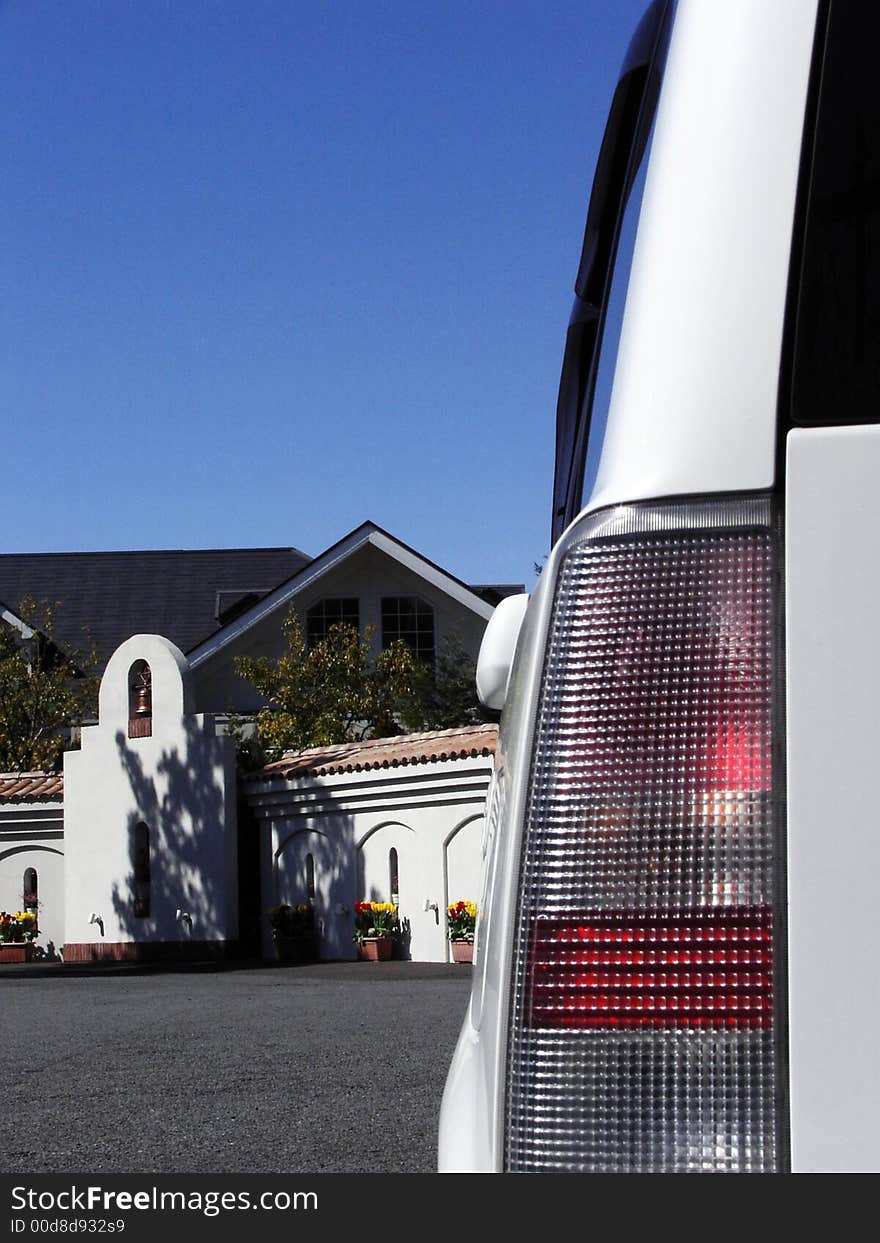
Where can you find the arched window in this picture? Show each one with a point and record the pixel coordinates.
(140, 700)
(310, 879)
(141, 859)
(29, 893)
(393, 878)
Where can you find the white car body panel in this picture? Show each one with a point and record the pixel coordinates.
(694, 410)
(471, 1137)
(498, 648)
(693, 407)
(686, 417)
(833, 737)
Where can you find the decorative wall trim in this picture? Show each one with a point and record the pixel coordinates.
(148, 951)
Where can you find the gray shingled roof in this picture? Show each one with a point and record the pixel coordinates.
(494, 593)
(184, 595)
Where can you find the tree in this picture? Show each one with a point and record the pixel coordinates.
(445, 696)
(47, 689)
(332, 692)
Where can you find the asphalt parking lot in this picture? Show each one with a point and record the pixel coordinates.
(328, 1068)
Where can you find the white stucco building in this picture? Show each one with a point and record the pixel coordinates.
(136, 851)
(149, 811)
(32, 850)
(390, 820)
(394, 819)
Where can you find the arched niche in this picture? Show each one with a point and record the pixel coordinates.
(377, 867)
(170, 688)
(140, 700)
(142, 879)
(462, 859)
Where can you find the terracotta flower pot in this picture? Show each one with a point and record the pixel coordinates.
(462, 951)
(375, 949)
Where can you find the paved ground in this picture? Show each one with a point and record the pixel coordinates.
(328, 1068)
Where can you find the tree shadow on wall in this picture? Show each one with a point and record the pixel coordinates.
(403, 941)
(182, 862)
(179, 802)
(313, 865)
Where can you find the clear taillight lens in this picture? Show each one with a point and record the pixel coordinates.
(642, 1022)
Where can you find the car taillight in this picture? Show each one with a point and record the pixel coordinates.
(647, 969)
(642, 1033)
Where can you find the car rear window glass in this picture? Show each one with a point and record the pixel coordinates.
(836, 357)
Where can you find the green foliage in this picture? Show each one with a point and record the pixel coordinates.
(338, 692)
(292, 921)
(330, 693)
(46, 689)
(445, 697)
(250, 751)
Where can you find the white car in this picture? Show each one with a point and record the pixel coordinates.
(677, 940)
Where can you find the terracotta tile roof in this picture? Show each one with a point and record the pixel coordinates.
(354, 757)
(30, 787)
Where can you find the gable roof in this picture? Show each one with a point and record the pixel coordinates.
(200, 599)
(184, 594)
(12, 619)
(366, 534)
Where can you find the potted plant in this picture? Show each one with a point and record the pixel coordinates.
(293, 931)
(376, 924)
(461, 927)
(17, 935)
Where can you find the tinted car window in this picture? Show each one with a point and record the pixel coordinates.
(836, 357)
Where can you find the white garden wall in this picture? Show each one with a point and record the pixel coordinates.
(348, 807)
(32, 836)
(179, 783)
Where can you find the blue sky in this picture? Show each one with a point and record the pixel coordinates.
(271, 268)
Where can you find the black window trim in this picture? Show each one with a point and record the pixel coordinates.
(789, 416)
(626, 133)
(409, 595)
(323, 600)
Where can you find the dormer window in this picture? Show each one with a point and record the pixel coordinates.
(329, 612)
(140, 700)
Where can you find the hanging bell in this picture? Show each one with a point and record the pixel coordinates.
(143, 704)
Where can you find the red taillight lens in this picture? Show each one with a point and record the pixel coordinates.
(642, 969)
(642, 1014)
